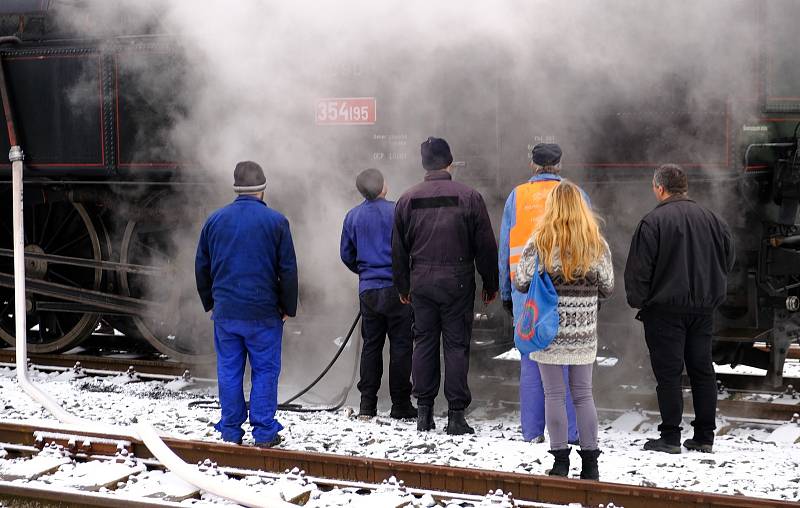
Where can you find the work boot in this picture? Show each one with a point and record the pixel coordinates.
(662, 445)
(425, 418)
(403, 411)
(368, 408)
(561, 464)
(698, 446)
(456, 424)
(275, 441)
(589, 469)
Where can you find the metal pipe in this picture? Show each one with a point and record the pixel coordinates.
(90, 263)
(143, 430)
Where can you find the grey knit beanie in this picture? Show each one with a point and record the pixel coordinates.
(248, 178)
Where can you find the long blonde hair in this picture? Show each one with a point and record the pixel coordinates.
(569, 224)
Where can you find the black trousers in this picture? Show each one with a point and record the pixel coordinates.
(382, 314)
(675, 340)
(444, 310)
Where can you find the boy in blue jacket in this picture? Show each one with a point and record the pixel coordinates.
(366, 249)
(246, 273)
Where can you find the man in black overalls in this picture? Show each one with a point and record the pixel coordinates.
(442, 232)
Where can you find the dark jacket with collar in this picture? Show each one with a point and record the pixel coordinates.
(442, 232)
(245, 265)
(679, 260)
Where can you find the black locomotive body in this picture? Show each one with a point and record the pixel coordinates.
(108, 193)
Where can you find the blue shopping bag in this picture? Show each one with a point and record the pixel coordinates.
(537, 325)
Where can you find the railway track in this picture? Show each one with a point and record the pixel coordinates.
(108, 364)
(154, 369)
(442, 482)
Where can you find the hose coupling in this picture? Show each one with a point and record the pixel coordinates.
(16, 154)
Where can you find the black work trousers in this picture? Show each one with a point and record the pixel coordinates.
(382, 314)
(446, 311)
(675, 340)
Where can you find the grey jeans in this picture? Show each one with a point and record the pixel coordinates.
(555, 405)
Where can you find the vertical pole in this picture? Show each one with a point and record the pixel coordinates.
(20, 312)
(16, 156)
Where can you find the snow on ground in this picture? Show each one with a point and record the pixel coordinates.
(791, 369)
(745, 461)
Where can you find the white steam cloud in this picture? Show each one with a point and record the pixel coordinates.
(611, 81)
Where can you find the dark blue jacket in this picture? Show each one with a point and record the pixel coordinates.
(366, 246)
(245, 265)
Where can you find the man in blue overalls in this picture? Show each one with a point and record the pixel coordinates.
(246, 273)
(524, 207)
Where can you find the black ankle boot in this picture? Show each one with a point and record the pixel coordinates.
(456, 424)
(403, 411)
(561, 464)
(425, 418)
(589, 469)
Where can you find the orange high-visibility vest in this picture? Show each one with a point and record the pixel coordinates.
(530, 198)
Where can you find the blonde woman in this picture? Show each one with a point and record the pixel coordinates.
(568, 245)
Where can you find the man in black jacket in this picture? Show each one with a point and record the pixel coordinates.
(442, 233)
(676, 273)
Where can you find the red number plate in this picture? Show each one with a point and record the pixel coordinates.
(346, 111)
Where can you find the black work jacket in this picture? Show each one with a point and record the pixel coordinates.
(442, 232)
(679, 259)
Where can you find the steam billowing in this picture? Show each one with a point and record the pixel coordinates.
(611, 81)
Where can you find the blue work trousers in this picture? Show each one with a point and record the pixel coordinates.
(260, 341)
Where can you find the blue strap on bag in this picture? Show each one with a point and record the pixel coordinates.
(537, 325)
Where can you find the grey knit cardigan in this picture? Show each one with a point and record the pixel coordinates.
(576, 340)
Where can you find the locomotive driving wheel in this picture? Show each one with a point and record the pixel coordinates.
(64, 229)
(181, 330)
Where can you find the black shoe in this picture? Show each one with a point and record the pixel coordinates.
(404, 411)
(270, 444)
(457, 424)
(425, 418)
(660, 445)
(698, 446)
(589, 469)
(575, 442)
(561, 464)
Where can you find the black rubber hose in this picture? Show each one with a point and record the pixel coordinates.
(298, 408)
(302, 392)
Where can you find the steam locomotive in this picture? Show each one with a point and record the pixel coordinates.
(107, 192)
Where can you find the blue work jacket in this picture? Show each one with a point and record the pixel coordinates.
(245, 265)
(366, 245)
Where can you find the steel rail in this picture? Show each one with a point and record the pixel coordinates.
(15, 492)
(424, 476)
(105, 363)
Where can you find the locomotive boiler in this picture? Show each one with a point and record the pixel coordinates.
(110, 198)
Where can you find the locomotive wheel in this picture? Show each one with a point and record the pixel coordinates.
(182, 331)
(60, 228)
